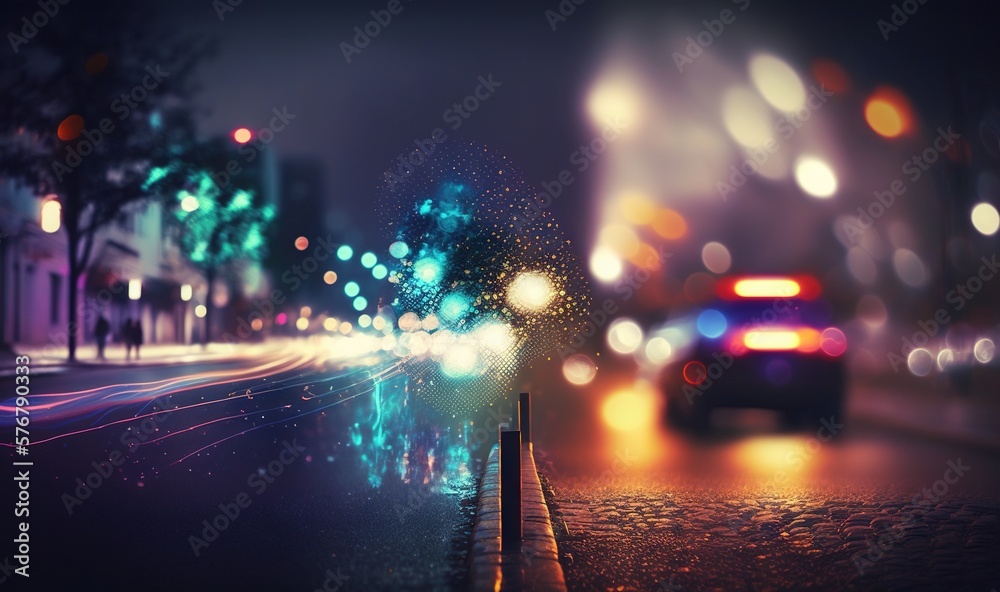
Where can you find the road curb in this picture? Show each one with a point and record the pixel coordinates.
(535, 565)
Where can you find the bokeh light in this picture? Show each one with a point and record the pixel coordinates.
(200, 311)
(984, 350)
(605, 264)
(669, 224)
(637, 208)
(189, 203)
(909, 268)
(777, 82)
(380, 271)
(530, 292)
(579, 369)
(716, 257)
(345, 252)
(51, 216)
(365, 321)
(630, 410)
(302, 243)
(614, 100)
(815, 177)
(360, 303)
(70, 128)
(368, 260)
(330, 277)
(920, 362)
(658, 350)
(352, 289)
(242, 135)
(872, 311)
(711, 323)
(833, 341)
(888, 113)
(746, 117)
(985, 218)
(399, 249)
(624, 336)
(302, 323)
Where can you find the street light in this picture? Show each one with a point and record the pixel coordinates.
(186, 292)
(134, 289)
(242, 135)
(51, 215)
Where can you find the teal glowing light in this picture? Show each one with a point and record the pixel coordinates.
(380, 271)
(352, 289)
(454, 307)
(345, 252)
(427, 270)
(368, 260)
(399, 249)
(360, 303)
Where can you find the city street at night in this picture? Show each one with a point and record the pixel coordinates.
(558, 296)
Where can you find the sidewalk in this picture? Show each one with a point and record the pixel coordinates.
(934, 411)
(46, 359)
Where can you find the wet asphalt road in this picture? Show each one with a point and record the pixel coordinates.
(864, 510)
(310, 514)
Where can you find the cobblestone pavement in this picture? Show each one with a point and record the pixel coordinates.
(684, 529)
(654, 539)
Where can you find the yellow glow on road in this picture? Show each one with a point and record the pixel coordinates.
(630, 410)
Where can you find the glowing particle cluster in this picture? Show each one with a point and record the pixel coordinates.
(485, 282)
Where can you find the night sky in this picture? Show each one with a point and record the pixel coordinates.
(357, 118)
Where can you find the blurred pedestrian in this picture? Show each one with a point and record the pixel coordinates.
(136, 336)
(127, 338)
(101, 331)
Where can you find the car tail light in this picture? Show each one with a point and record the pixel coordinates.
(771, 340)
(832, 341)
(734, 288)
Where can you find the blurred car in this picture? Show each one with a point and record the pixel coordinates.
(765, 342)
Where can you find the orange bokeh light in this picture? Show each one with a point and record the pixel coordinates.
(70, 128)
(242, 135)
(669, 224)
(888, 113)
(96, 64)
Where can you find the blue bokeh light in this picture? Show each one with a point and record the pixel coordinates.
(352, 289)
(711, 323)
(360, 303)
(368, 260)
(345, 252)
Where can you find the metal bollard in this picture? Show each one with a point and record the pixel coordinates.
(524, 410)
(510, 488)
